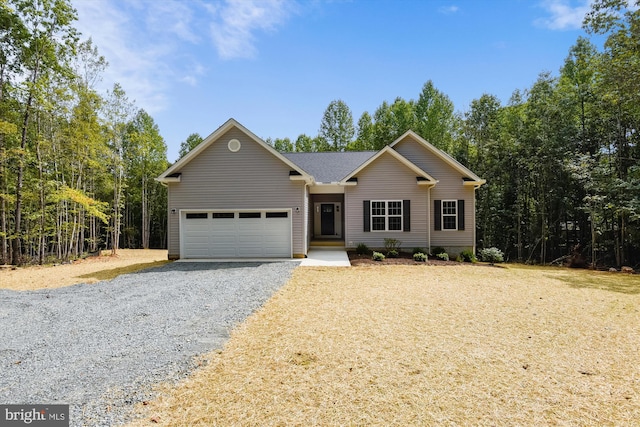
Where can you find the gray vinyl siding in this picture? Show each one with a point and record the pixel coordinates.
(251, 178)
(449, 187)
(386, 179)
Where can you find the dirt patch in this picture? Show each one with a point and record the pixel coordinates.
(89, 270)
(434, 345)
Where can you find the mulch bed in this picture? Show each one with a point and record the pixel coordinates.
(402, 259)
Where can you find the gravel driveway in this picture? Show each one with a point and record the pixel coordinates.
(101, 347)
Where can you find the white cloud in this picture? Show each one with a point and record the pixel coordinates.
(447, 10)
(563, 16)
(141, 40)
(236, 22)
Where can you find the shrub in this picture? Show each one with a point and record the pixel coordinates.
(392, 244)
(443, 256)
(377, 256)
(418, 251)
(491, 255)
(362, 249)
(420, 257)
(467, 256)
(392, 253)
(438, 250)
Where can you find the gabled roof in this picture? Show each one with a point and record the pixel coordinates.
(473, 179)
(327, 167)
(172, 174)
(388, 150)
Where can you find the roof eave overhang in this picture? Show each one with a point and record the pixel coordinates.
(475, 183)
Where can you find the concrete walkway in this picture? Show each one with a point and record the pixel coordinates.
(326, 256)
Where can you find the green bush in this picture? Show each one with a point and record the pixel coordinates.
(378, 256)
(362, 249)
(438, 250)
(467, 256)
(420, 257)
(491, 255)
(443, 256)
(392, 244)
(392, 253)
(418, 251)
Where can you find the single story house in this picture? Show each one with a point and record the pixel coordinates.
(235, 196)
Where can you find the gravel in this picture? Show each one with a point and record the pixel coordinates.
(100, 348)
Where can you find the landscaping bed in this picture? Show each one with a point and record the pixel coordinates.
(403, 258)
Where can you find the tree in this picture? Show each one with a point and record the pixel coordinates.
(117, 112)
(49, 40)
(283, 145)
(337, 125)
(189, 144)
(304, 143)
(147, 158)
(435, 118)
(365, 139)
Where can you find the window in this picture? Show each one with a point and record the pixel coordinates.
(197, 215)
(449, 215)
(221, 215)
(249, 215)
(277, 215)
(386, 215)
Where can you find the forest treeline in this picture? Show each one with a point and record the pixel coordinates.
(561, 158)
(77, 167)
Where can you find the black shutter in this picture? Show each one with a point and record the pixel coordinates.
(437, 214)
(406, 215)
(460, 214)
(366, 217)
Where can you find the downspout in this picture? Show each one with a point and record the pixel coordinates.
(305, 227)
(429, 219)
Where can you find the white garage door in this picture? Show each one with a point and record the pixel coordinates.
(240, 234)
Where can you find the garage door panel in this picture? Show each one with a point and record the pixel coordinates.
(197, 234)
(254, 234)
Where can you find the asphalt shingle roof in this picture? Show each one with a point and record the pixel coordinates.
(329, 166)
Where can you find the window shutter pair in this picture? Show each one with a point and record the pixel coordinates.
(437, 214)
(406, 215)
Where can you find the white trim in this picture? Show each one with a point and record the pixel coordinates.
(429, 207)
(430, 180)
(464, 171)
(442, 215)
(337, 219)
(234, 145)
(229, 124)
(386, 215)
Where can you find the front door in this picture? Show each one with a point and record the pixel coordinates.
(327, 219)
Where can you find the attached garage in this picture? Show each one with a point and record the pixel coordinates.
(236, 234)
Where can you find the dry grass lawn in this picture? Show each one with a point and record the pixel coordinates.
(89, 270)
(424, 345)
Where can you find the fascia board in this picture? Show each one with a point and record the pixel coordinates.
(442, 155)
(396, 155)
(215, 135)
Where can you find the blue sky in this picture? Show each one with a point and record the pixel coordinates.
(275, 65)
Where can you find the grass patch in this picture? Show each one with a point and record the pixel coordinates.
(115, 272)
(438, 345)
(613, 282)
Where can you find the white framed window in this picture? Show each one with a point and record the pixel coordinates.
(449, 214)
(386, 215)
